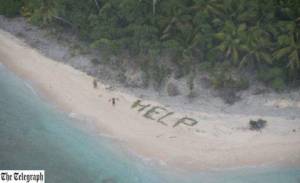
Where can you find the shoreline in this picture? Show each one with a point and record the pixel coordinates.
(217, 141)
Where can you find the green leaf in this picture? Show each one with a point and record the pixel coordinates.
(103, 42)
(221, 47)
(283, 40)
(220, 36)
(267, 57)
(235, 55)
(242, 28)
(294, 62)
(281, 53)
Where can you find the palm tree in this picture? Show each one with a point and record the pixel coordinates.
(231, 39)
(257, 47)
(48, 10)
(207, 7)
(289, 46)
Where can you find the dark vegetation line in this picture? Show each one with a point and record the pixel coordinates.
(217, 36)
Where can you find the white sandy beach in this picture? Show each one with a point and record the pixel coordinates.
(218, 140)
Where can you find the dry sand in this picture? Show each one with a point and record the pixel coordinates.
(218, 140)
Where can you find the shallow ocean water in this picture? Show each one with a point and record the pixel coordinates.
(35, 135)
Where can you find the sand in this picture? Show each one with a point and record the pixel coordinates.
(218, 140)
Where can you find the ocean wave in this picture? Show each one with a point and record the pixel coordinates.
(31, 88)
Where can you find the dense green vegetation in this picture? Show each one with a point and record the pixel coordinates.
(10, 8)
(261, 36)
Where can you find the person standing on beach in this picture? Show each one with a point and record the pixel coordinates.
(113, 100)
(95, 84)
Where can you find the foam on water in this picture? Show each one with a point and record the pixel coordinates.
(34, 135)
(31, 88)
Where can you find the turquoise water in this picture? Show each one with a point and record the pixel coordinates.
(35, 135)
